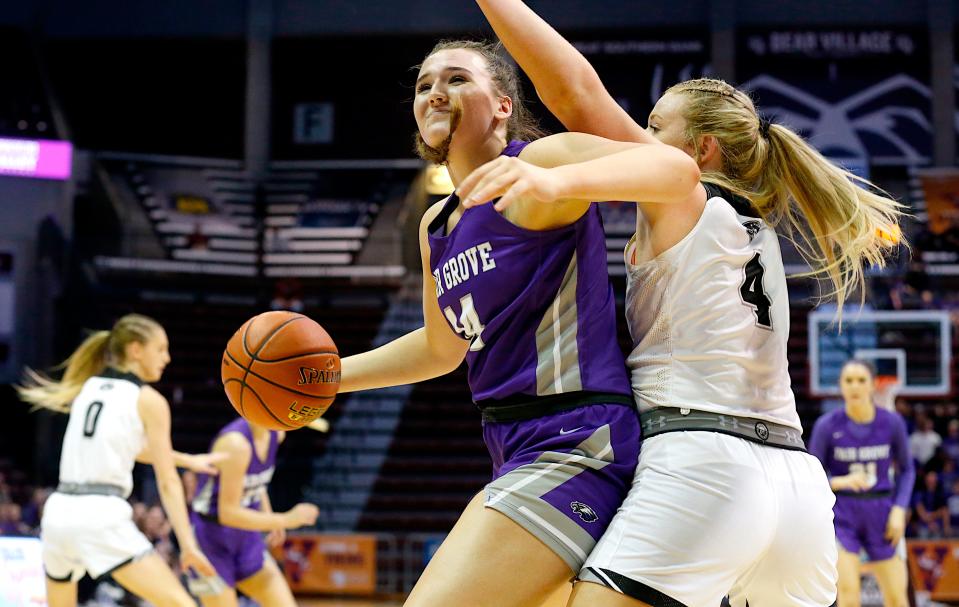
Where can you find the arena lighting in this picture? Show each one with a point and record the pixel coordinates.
(438, 180)
(36, 158)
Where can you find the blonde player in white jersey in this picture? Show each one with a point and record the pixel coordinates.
(725, 498)
(115, 419)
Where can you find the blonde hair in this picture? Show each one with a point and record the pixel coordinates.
(91, 357)
(836, 223)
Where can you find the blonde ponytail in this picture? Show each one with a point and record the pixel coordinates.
(100, 349)
(836, 219)
(841, 219)
(87, 360)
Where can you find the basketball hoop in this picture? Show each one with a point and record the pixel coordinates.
(887, 388)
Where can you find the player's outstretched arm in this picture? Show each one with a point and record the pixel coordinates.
(201, 463)
(423, 354)
(566, 82)
(574, 168)
(232, 512)
(155, 413)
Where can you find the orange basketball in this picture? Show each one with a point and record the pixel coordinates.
(281, 370)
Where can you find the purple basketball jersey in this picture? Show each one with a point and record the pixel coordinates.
(536, 306)
(258, 474)
(844, 446)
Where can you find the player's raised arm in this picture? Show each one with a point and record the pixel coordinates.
(204, 463)
(564, 79)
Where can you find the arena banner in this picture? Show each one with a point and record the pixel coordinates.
(37, 158)
(860, 94)
(940, 186)
(934, 568)
(21, 573)
(329, 564)
(637, 66)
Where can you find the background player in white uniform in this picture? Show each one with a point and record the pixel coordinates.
(724, 497)
(115, 419)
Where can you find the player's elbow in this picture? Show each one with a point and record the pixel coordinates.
(579, 83)
(675, 176)
(448, 359)
(227, 516)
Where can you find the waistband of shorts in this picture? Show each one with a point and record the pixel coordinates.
(210, 518)
(675, 419)
(865, 495)
(523, 407)
(92, 489)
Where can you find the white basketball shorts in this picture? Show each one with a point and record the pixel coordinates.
(88, 533)
(710, 514)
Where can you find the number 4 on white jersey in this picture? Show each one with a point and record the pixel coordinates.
(468, 323)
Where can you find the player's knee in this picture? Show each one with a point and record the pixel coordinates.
(177, 597)
(849, 590)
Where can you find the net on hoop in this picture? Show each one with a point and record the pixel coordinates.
(886, 390)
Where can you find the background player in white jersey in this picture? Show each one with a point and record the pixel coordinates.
(724, 498)
(115, 419)
(859, 445)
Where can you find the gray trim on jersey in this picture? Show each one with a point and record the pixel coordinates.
(557, 351)
(518, 495)
(201, 502)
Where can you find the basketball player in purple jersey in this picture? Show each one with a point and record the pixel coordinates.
(230, 512)
(524, 297)
(859, 446)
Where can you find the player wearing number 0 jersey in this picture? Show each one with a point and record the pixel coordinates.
(724, 500)
(115, 420)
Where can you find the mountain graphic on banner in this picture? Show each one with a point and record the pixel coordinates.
(850, 127)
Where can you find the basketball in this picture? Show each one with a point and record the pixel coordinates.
(280, 370)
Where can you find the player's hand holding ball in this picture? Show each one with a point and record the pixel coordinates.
(281, 370)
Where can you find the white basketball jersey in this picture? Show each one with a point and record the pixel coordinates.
(105, 433)
(709, 317)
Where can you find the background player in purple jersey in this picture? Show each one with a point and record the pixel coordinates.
(524, 297)
(231, 510)
(859, 446)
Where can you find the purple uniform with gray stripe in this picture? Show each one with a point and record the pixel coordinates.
(876, 448)
(235, 553)
(539, 312)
